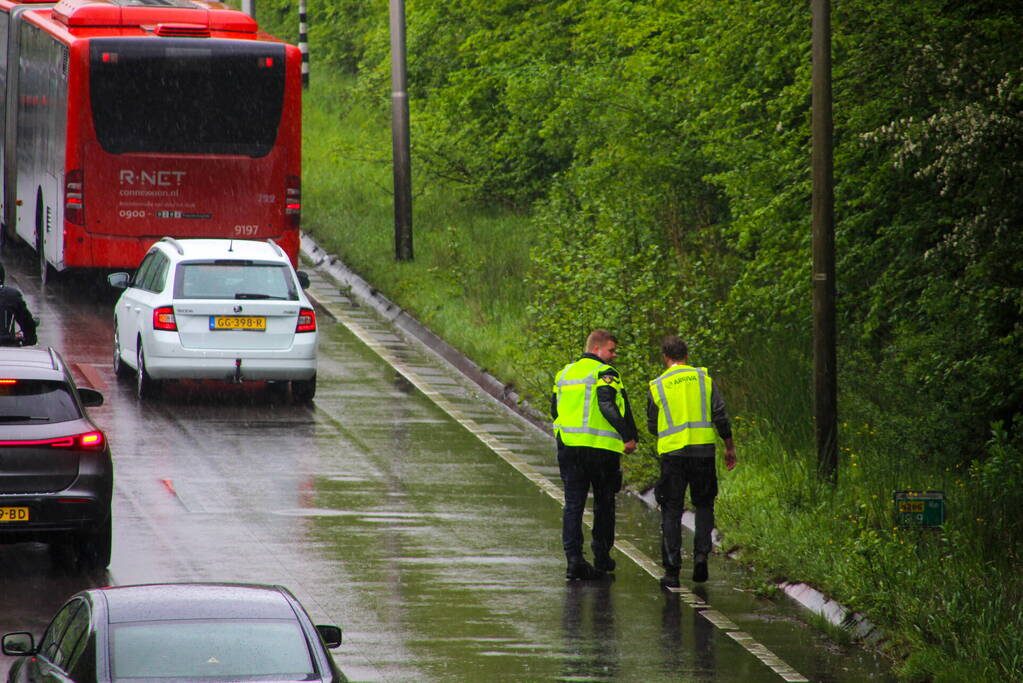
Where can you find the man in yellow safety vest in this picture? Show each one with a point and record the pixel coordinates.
(593, 426)
(684, 410)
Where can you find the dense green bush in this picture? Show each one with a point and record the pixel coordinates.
(662, 151)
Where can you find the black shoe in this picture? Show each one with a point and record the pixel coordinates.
(582, 570)
(670, 579)
(604, 564)
(700, 570)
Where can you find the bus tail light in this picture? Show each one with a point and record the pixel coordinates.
(163, 319)
(74, 197)
(293, 202)
(306, 320)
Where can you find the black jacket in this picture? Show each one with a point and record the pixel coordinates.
(13, 304)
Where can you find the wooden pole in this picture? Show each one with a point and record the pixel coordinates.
(400, 136)
(824, 336)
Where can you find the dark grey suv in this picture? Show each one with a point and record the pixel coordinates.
(56, 474)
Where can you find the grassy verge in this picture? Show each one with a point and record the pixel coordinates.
(465, 280)
(950, 600)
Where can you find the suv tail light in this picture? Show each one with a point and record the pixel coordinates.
(306, 320)
(74, 197)
(293, 202)
(163, 319)
(88, 441)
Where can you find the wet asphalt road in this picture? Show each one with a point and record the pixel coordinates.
(387, 516)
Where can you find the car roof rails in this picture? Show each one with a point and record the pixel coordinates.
(55, 359)
(277, 249)
(174, 243)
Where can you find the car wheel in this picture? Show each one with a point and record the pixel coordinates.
(303, 391)
(278, 391)
(121, 369)
(93, 546)
(145, 386)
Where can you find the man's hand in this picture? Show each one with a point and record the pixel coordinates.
(630, 446)
(730, 459)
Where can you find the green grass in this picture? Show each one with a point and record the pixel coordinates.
(949, 600)
(465, 279)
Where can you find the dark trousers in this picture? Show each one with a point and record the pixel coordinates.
(677, 473)
(582, 468)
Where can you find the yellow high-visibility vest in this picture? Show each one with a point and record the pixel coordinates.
(682, 394)
(579, 421)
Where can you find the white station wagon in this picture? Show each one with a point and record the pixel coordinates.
(221, 309)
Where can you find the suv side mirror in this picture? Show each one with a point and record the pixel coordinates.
(303, 278)
(18, 644)
(90, 397)
(119, 280)
(331, 635)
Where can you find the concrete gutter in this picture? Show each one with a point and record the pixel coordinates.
(365, 294)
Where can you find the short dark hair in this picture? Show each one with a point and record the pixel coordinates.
(599, 337)
(674, 348)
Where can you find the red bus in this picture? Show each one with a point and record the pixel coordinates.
(136, 119)
(9, 11)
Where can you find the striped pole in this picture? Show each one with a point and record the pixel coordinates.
(303, 42)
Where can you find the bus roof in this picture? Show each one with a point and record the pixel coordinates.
(8, 5)
(169, 17)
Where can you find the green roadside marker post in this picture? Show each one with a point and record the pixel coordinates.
(919, 509)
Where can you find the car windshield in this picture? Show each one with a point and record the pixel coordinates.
(232, 279)
(25, 401)
(209, 650)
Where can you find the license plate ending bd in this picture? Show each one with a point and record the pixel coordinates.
(919, 509)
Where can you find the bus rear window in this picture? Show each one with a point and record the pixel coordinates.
(186, 96)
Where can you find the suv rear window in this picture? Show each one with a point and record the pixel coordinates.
(32, 401)
(234, 279)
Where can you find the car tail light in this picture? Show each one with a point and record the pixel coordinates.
(163, 319)
(88, 441)
(74, 197)
(293, 202)
(306, 320)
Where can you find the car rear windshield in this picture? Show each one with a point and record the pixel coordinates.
(183, 96)
(204, 650)
(233, 279)
(29, 401)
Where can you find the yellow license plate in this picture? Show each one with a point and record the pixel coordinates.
(13, 514)
(256, 323)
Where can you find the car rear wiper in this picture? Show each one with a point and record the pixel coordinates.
(253, 295)
(23, 418)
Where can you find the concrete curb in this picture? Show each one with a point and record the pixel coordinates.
(365, 294)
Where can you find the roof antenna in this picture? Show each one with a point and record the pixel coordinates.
(230, 246)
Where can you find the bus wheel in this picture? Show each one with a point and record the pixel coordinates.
(40, 241)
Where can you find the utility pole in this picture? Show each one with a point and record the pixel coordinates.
(303, 41)
(249, 7)
(823, 212)
(400, 136)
